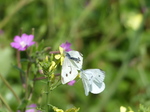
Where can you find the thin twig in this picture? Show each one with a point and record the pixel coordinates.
(7, 106)
(8, 85)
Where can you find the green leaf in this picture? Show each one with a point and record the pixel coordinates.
(23, 104)
(19, 69)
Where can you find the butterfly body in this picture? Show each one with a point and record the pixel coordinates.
(73, 58)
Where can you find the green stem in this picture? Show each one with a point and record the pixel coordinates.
(32, 88)
(19, 66)
(8, 85)
(7, 106)
(47, 99)
(27, 77)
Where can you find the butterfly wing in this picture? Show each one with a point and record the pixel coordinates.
(69, 71)
(97, 85)
(95, 78)
(76, 59)
(71, 64)
(86, 82)
(97, 88)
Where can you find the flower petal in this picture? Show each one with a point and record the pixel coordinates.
(61, 50)
(58, 56)
(71, 83)
(122, 109)
(17, 39)
(23, 42)
(30, 38)
(31, 43)
(66, 46)
(22, 48)
(15, 45)
(24, 37)
(32, 106)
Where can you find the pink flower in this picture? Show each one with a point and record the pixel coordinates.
(71, 83)
(23, 42)
(66, 46)
(31, 108)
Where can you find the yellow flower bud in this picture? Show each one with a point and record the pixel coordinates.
(57, 110)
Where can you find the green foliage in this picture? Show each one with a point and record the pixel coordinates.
(141, 108)
(144, 109)
(111, 34)
(23, 104)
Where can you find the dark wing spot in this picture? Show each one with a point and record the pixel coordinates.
(70, 72)
(99, 75)
(78, 60)
(66, 75)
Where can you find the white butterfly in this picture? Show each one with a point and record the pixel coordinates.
(93, 80)
(72, 63)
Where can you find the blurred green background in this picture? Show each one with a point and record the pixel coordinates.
(113, 35)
